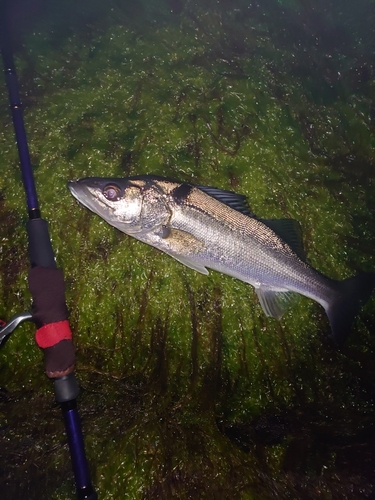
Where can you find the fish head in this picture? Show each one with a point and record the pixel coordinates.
(132, 205)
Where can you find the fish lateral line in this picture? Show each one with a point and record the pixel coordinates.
(206, 227)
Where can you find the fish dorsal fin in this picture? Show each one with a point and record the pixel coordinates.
(290, 231)
(233, 200)
(273, 303)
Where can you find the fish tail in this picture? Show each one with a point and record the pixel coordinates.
(347, 303)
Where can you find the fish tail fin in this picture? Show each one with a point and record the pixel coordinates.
(352, 295)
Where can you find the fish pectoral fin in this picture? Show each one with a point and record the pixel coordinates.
(181, 242)
(273, 303)
(182, 246)
(190, 263)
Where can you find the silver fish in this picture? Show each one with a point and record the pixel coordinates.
(205, 227)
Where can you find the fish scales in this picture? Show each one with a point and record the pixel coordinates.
(244, 245)
(204, 227)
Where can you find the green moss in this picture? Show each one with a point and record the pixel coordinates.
(189, 390)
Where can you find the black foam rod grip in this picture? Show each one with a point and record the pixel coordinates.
(40, 247)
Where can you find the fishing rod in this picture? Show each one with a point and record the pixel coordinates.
(46, 283)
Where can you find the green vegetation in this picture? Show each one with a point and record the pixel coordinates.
(189, 391)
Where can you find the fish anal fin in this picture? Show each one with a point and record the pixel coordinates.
(274, 303)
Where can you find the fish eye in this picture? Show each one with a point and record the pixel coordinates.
(112, 192)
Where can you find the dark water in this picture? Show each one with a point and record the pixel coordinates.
(188, 390)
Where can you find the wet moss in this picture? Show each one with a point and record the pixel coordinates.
(189, 391)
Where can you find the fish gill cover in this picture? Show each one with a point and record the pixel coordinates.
(188, 390)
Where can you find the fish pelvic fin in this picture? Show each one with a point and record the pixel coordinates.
(352, 294)
(186, 261)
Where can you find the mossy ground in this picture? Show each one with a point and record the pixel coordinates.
(188, 390)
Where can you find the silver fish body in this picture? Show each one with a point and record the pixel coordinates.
(205, 227)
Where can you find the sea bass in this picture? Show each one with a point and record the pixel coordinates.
(205, 227)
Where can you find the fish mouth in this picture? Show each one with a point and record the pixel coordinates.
(87, 195)
(88, 192)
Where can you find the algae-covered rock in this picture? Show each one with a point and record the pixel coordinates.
(189, 391)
